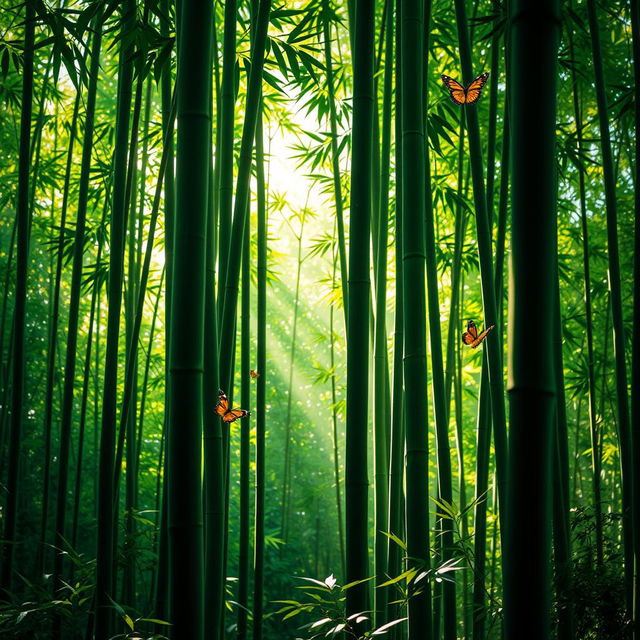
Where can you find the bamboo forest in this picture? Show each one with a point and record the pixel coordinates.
(320, 319)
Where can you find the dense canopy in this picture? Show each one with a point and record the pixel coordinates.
(320, 318)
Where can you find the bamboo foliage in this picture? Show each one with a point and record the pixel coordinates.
(141, 276)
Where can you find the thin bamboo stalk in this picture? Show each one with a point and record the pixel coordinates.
(22, 260)
(381, 410)
(622, 408)
(53, 337)
(635, 355)
(493, 346)
(104, 560)
(356, 480)
(593, 425)
(335, 155)
(413, 274)
(261, 362)
(254, 91)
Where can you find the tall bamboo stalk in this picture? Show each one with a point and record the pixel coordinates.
(184, 473)
(286, 473)
(261, 362)
(22, 261)
(441, 413)
(254, 91)
(224, 150)
(622, 408)
(413, 275)
(635, 356)
(560, 452)
(397, 435)
(95, 294)
(104, 560)
(334, 423)
(53, 336)
(245, 428)
(533, 46)
(492, 345)
(381, 411)
(593, 425)
(214, 468)
(356, 480)
(335, 154)
(137, 310)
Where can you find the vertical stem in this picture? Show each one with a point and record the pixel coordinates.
(286, 485)
(261, 361)
(53, 337)
(593, 425)
(335, 155)
(66, 418)
(224, 151)
(635, 356)
(22, 261)
(440, 405)
(254, 92)
(245, 428)
(624, 428)
(356, 481)
(381, 369)
(533, 46)
(334, 422)
(184, 472)
(492, 346)
(413, 274)
(397, 439)
(104, 560)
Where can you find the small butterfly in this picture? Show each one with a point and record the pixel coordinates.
(254, 374)
(471, 94)
(228, 415)
(470, 336)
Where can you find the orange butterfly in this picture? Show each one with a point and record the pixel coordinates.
(470, 336)
(228, 415)
(254, 374)
(471, 94)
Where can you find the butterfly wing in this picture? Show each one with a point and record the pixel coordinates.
(234, 414)
(482, 336)
(456, 90)
(467, 338)
(474, 90)
(223, 404)
(472, 329)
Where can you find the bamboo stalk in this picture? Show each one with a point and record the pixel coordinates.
(335, 156)
(492, 346)
(261, 361)
(533, 44)
(186, 360)
(356, 480)
(22, 260)
(635, 355)
(254, 91)
(413, 274)
(622, 408)
(104, 560)
(53, 338)
(593, 426)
